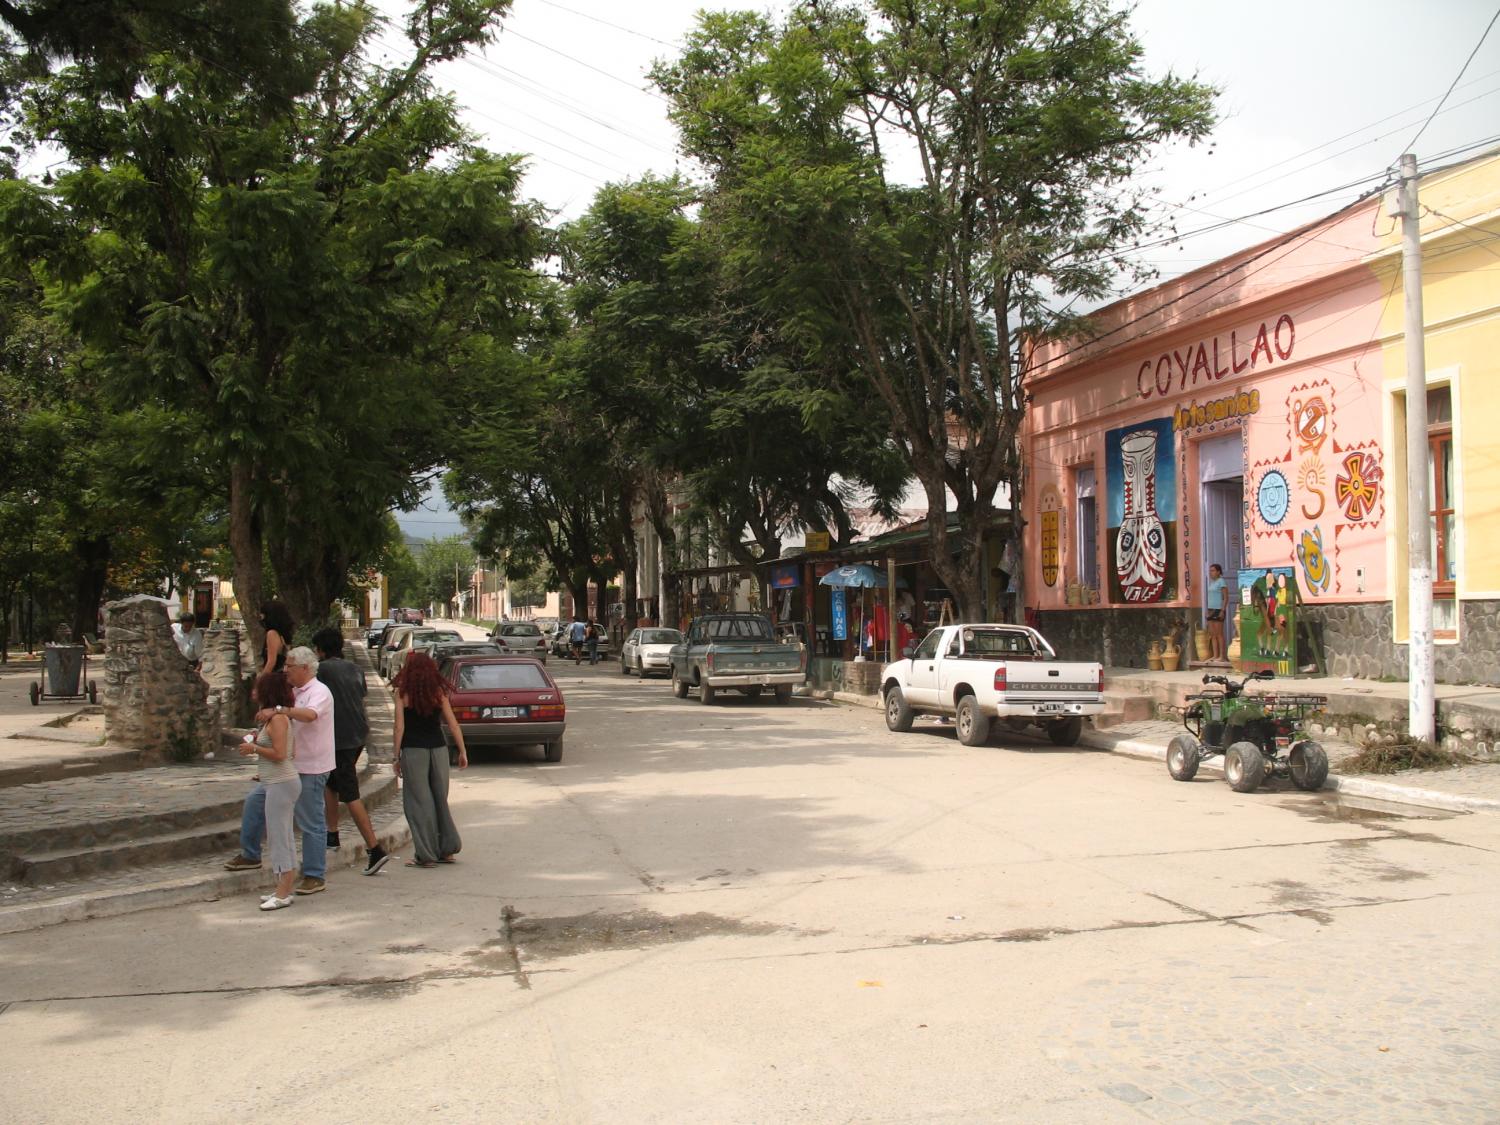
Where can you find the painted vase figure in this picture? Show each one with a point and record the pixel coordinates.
(1141, 549)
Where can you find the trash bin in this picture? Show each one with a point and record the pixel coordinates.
(64, 667)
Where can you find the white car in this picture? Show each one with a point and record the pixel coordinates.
(979, 673)
(648, 652)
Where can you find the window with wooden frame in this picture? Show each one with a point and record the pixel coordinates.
(1444, 545)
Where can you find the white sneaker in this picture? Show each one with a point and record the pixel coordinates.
(271, 902)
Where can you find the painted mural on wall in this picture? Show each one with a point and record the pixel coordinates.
(1141, 477)
(1268, 619)
(1049, 511)
(1316, 490)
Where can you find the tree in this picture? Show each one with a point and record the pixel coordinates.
(447, 566)
(919, 187)
(300, 249)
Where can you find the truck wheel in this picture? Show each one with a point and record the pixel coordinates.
(552, 751)
(705, 694)
(1183, 756)
(679, 687)
(973, 724)
(783, 694)
(898, 715)
(1065, 732)
(1244, 767)
(1308, 764)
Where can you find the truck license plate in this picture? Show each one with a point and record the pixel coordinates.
(1051, 708)
(500, 712)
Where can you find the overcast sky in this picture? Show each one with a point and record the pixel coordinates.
(1316, 94)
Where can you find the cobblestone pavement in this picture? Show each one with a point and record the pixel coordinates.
(1479, 780)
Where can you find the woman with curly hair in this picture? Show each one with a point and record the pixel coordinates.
(422, 759)
(276, 620)
(280, 784)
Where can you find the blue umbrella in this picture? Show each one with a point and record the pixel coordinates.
(860, 574)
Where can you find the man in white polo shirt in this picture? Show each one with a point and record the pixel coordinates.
(314, 756)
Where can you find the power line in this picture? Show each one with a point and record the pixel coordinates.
(1412, 143)
(606, 23)
(588, 66)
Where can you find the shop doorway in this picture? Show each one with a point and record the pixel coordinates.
(1221, 472)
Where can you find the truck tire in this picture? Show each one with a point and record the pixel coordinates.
(1244, 767)
(898, 715)
(679, 687)
(705, 693)
(552, 751)
(1308, 765)
(973, 724)
(1065, 732)
(1183, 757)
(783, 694)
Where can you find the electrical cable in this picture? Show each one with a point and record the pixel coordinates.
(1488, 27)
(588, 66)
(606, 23)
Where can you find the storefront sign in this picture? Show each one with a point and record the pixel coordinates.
(786, 576)
(840, 620)
(1215, 359)
(818, 540)
(1200, 414)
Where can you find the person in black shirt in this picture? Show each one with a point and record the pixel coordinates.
(346, 682)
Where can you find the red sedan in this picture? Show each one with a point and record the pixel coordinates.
(507, 701)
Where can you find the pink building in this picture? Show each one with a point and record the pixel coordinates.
(1251, 414)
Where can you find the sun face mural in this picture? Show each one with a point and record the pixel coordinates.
(1142, 485)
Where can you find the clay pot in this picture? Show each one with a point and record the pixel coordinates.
(1200, 643)
(1169, 659)
(1232, 654)
(1153, 656)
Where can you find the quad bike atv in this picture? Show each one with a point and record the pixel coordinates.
(1260, 736)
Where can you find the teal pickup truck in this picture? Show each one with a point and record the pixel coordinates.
(735, 652)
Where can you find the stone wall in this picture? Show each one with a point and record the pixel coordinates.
(1117, 638)
(228, 681)
(153, 700)
(1356, 639)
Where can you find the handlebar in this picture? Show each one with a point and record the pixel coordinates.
(1229, 684)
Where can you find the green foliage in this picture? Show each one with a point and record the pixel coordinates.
(300, 250)
(913, 189)
(447, 565)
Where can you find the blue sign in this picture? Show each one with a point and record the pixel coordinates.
(1273, 497)
(840, 614)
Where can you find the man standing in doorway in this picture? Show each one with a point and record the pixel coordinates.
(1215, 606)
(350, 728)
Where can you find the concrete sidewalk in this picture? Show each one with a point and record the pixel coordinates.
(1464, 710)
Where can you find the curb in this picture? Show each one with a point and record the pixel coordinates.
(175, 891)
(1350, 786)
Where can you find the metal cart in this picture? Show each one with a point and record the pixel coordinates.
(66, 676)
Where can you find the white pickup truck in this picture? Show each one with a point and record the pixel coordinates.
(979, 673)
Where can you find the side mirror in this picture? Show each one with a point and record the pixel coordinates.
(1207, 678)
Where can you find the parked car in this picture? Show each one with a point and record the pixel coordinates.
(407, 616)
(388, 644)
(559, 645)
(450, 650)
(648, 652)
(735, 651)
(377, 630)
(421, 636)
(521, 638)
(506, 701)
(980, 673)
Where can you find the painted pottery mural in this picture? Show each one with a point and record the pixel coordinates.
(1142, 481)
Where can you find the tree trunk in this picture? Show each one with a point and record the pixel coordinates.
(246, 544)
(89, 582)
(658, 511)
(629, 560)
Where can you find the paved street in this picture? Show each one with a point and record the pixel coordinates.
(749, 913)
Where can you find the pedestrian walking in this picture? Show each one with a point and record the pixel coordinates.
(577, 632)
(591, 637)
(422, 708)
(312, 712)
(346, 682)
(276, 620)
(276, 793)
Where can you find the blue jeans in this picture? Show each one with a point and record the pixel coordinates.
(310, 821)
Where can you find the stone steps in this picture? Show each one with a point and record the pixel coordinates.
(1124, 707)
(201, 878)
(119, 851)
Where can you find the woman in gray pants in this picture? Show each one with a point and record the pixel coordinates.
(274, 745)
(422, 759)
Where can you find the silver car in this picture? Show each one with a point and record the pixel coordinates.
(521, 638)
(647, 652)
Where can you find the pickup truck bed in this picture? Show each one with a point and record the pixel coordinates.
(735, 651)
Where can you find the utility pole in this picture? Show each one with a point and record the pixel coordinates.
(1421, 707)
